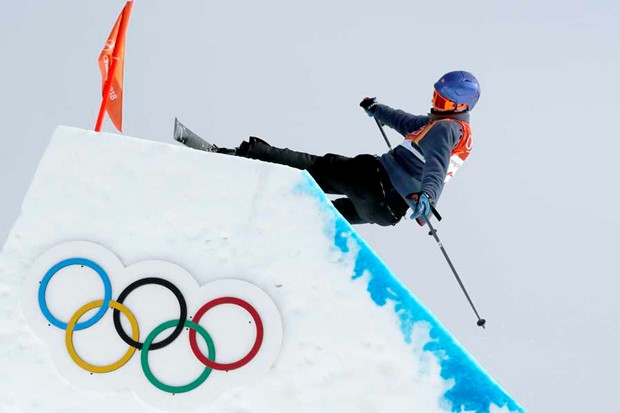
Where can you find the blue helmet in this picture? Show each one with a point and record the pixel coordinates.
(460, 87)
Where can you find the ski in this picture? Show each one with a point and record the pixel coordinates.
(184, 135)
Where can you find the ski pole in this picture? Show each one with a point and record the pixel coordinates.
(481, 321)
(383, 133)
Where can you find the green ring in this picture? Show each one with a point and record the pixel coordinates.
(145, 359)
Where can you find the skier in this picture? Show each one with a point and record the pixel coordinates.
(380, 189)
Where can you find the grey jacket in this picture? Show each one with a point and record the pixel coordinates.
(407, 172)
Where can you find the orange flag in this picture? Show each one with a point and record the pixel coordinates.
(111, 64)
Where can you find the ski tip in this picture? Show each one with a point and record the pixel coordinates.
(179, 133)
(177, 124)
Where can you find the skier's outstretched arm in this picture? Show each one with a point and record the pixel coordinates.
(397, 119)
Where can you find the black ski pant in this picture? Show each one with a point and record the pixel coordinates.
(369, 194)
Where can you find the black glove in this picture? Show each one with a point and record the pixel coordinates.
(369, 105)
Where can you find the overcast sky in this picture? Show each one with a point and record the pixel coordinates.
(530, 220)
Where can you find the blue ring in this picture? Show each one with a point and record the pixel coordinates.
(106, 297)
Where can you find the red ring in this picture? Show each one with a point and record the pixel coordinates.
(248, 357)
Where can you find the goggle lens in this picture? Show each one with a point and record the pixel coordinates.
(443, 104)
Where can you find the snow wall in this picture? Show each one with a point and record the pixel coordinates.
(142, 276)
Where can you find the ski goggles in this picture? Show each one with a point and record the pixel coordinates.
(443, 104)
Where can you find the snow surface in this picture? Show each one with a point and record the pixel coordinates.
(354, 338)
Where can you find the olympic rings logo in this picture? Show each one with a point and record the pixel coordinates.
(92, 257)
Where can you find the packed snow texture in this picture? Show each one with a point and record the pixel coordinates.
(354, 338)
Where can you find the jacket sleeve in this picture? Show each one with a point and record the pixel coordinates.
(399, 120)
(437, 146)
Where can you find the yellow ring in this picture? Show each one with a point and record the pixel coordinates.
(135, 333)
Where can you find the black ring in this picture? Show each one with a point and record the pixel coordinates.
(182, 316)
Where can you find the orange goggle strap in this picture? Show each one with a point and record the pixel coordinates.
(444, 104)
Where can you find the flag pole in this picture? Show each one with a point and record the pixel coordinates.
(108, 84)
